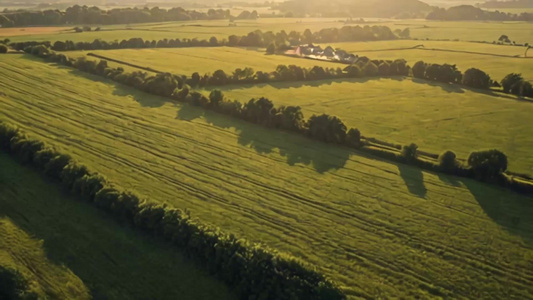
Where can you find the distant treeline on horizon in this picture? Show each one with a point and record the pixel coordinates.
(400, 9)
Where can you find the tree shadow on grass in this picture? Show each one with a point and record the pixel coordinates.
(414, 180)
(510, 210)
(450, 88)
(113, 261)
(449, 180)
(280, 85)
(296, 149)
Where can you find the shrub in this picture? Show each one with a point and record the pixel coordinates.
(13, 285)
(327, 128)
(409, 152)
(487, 164)
(510, 81)
(419, 69)
(476, 78)
(353, 138)
(370, 69)
(3, 49)
(447, 161)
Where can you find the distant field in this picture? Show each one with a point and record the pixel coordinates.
(420, 29)
(379, 229)
(495, 65)
(203, 60)
(69, 250)
(436, 117)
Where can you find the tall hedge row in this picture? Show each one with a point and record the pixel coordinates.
(253, 271)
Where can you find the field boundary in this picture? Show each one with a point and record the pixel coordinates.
(125, 63)
(251, 270)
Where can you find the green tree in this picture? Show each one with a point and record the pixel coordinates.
(3, 49)
(476, 78)
(410, 152)
(447, 160)
(419, 69)
(327, 128)
(510, 81)
(488, 164)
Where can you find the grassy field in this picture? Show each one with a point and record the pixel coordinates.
(204, 60)
(69, 250)
(379, 229)
(496, 60)
(434, 116)
(420, 29)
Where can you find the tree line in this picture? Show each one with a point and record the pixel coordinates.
(469, 12)
(256, 38)
(262, 111)
(93, 15)
(251, 270)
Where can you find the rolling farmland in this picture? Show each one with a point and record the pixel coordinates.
(496, 60)
(379, 229)
(420, 29)
(68, 249)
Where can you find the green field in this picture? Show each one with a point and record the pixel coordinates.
(487, 57)
(379, 229)
(420, 29)
(69, 250)
(203, 60)
(435, 116)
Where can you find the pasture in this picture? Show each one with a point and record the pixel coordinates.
(379, 229)
(435, 116)
(203, 60)
(68, 249)
(496, 60)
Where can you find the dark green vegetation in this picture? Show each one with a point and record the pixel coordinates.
(257, 38)
(84, 252)
(469, 12)
(13, 285)
(251, 270)
(379, 229)
(93, 15)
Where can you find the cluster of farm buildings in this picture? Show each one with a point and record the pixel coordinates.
(316, 52)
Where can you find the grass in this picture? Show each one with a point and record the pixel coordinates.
(69, 250)
(203, 60)
(495, 65)
(379, 229)
(434, 116)
(420, 29)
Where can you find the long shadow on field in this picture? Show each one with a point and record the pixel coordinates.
(299, 84)
(450, 88)
(512, 211)
(414, 180)
(113, 261)
(296, 149)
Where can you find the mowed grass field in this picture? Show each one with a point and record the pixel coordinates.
(420, 29)
(203, 60)
(435, 116)
(69, 250)
(496, 60)
(377, 228)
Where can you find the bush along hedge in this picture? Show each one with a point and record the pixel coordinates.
(324, 128)
(252, 270)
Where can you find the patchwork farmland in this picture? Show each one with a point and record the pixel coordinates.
(177, 192)
(284, 190)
